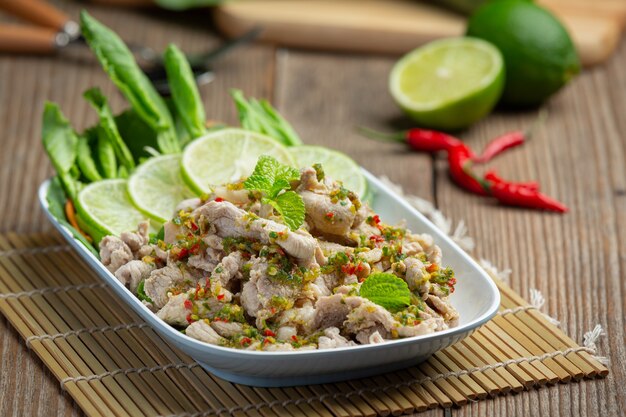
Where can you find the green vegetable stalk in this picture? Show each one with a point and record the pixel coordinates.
(260, 116)
(119, 63)
(61, 142)
(185, 93)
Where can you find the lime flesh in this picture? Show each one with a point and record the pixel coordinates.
(227, 156)
(336, 165)
(450, 83)
(104, 208)
(157, 186)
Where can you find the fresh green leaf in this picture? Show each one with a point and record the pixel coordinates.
(185, 92)
(85, 161)
(56, 202)
(291, 207)
(106, 155)
(386, 290)
(271, 178)
(108, 129)
(186, 4)
(60, 142)
(260, 116)
(119, 63)
(136, 133)
(141, 292)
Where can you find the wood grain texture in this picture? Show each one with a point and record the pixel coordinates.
(578, 260)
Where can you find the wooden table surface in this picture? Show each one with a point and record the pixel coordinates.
(577, 260)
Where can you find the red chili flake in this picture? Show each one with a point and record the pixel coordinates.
(194, 226)
(273, 310)
(195, 248)
(184, 252)
(432, 267)
(267, 341)
(188, 304)
(268, 332)
(294, 338)
(207, 283)
(377, 238)
(376, 219)
(360, 267)
(198, 288)
(220, 297)
(189, 319)
(280, 251)
(219, 199)
(330, 215)
(348, 269)
(245, 341)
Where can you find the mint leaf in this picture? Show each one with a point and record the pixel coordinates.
(271, 178)
(291, 207)
(386, 290)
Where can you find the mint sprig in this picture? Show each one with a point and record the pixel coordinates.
(273, 180)
(386, 290)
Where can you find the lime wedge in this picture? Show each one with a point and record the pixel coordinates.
(450, 83)
(104, 208)
(157, 186)
(337, 166)
(226, 156)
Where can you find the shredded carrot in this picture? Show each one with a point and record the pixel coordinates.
(70, 213)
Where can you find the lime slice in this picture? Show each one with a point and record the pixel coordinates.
(104, 208)
(157, 186)
(337, 166)
(226, 156)
(450, 83)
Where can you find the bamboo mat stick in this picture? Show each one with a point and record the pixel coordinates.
(102, 346)
(433, 389)
(494, 355)
(405, 405)
(363, 406)
(403, 390)
(464, 357)
(454, 381)
(390, 407)
(479, 392)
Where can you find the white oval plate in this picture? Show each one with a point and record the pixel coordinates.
(476, 298)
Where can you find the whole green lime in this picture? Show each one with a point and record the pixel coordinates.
(539, 55)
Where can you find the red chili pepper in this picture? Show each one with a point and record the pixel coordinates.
(376, 238)
(432, 268)
(294, 338)
(491, 176)
(194, 226)
(188, 304)
(220, 297)
(219, 199)
(183, 253)
(418, 139)
(459, 162)
(189, 319)
(268, 332)
(500, 144)
(519, 195)
(245, 341)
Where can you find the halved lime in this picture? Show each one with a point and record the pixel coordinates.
(157, 186)
(336, 165)
(450, 83)
(226, 156)
(104, 208)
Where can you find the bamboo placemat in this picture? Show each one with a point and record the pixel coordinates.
(113, 364)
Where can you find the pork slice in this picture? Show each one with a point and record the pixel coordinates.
(443, 307)
(201, 261)
(372, 256)
(114, 253)
(135, 240)
(301, 318)
(332, 339)
(259, 291)
(425, 327)
(309, 181)
(227, 329)
(286, 332)
(152, 250)
(326, 216)
(203, 332)
(368, 315)
(187, 205)
(374, 334)
(278, 347)
(331, 311)
(415, 274)
(228, 268)
(162, 280)
(171, 232)
(175, 311)
(231, 221)
(132, 273)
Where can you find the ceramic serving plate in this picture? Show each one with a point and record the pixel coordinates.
(476, 298)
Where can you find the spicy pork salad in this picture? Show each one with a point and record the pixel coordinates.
(258, 255)
(236, 269)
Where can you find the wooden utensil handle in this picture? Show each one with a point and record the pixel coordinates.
(27, 39)
(36, 11)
